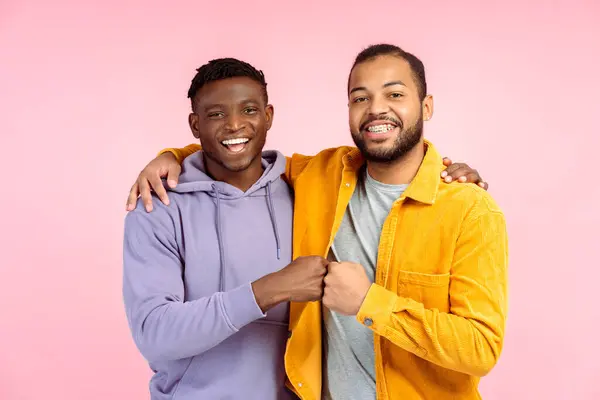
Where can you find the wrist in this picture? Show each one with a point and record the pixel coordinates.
(268, 292)
(361, 296)
(169, 154)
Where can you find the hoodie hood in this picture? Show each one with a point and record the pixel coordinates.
(194, 178)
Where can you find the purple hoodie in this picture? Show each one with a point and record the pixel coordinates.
(188, 269)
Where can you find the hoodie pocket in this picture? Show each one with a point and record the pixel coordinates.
(185, 374)
(265, 321)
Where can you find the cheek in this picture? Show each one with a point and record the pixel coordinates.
(208, 135)
(404, 111)
(408, 113)
(258, 125)
(355, 115)
(207, 143)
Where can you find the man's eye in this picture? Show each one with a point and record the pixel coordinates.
(250, 111)
(359, 99)
(215, 115)
(396, 95)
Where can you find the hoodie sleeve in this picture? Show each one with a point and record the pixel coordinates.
(165, 326)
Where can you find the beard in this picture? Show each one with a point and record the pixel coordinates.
(406, 140)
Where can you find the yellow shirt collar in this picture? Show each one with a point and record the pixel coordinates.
(424, 186)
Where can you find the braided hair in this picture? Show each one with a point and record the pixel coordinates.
(223, 68)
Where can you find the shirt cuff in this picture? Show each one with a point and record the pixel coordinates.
(173, 151)
(376, 310)
(240, 306)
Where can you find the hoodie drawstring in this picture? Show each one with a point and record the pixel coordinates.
(271, 208)
(220, 239)
(273, 219)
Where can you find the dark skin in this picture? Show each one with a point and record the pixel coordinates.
(233, 108)
(236, 108)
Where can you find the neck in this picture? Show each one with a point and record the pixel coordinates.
(400, 171)
(242, 180)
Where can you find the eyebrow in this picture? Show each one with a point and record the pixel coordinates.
(388, 84)
(394, 83)
(243, 102)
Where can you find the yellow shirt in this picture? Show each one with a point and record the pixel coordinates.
(438, 304)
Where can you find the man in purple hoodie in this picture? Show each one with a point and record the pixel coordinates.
(208, 278)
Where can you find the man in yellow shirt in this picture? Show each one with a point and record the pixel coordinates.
(414, 303)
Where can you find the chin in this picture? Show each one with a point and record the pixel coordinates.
(384, 153)
(236, 166)
(241, 164)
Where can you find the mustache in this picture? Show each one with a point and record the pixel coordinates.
(381, 118)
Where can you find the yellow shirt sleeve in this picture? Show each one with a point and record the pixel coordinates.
(181, 154)
(469, 338)
(293, 167)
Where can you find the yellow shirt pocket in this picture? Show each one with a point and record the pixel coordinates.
(432, 290)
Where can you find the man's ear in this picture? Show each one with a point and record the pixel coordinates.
(427, 105)
(193, 121)
(270, 113)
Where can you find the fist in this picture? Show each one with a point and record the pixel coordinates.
(303, 278)
(346, 286)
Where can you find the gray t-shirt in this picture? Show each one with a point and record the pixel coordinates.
(349, 356)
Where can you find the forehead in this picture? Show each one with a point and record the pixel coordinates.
(375, 73)
(230, 91)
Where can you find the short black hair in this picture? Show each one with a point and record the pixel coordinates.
(223, 68)
(383, 49)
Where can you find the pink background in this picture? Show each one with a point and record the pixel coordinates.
(90, 91)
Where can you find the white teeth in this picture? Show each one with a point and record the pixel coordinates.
(380, 128)
(234, 141)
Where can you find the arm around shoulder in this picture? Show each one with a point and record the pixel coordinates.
(182, 153)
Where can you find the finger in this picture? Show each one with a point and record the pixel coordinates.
(325, 299)
(450, 170)
(159, 189)
(146, 195)
(447, 161)
(483, 185)
(133, 195)
(472, 177)
(325, 291)
(173, 175)
(454, 167)
(331, 267)
(460, 172)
